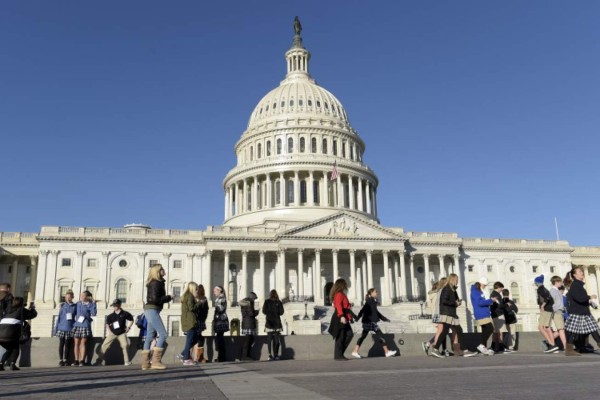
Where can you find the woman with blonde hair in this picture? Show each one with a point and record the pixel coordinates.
(433, 304)
(201, 315)
(156, 297)
(449, 302)
(189, 305)
(341, 318)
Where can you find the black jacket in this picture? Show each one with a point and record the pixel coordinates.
(510, 310)
(544, 296)
(6, 299)
(10, 332)
(156, 296)
(497, 309)
(273, 310)
(578, 301)
(370, 313)
(202, 311)
(248, 314)
(448, 302)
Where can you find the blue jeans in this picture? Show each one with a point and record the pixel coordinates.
(155, 324)
(191, 338)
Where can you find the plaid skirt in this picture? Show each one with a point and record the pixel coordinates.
(250, 332)
(65, 334)
(81, 332)
(446, 319)
(221, 326)
(435, 319)
(370, 326)
(581, 324)
(269, 330)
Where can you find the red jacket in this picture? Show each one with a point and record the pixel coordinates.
(341, 303)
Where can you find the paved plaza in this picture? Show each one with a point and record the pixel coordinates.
(514, 376)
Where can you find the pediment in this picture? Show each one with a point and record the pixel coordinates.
(342, 226)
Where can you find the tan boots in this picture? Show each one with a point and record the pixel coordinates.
(145, 359)
(157, 354)
(457, 350)
(200, 355)
(570, 351)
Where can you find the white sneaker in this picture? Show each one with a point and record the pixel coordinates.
(128, 363)
(356, 355)
(484, 350)
(490, 352)
(390, 353)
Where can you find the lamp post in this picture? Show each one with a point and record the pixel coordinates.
(306, 310)
(421, 303)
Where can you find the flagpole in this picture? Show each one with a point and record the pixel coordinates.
(556, 227)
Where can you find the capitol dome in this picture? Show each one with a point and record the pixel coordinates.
(299, 158)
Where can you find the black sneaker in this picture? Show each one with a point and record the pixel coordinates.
(61, 363)
(271, 358)
(75, 363)
(1, 367)
(13, 367)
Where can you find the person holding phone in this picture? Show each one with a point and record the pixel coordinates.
(156, 298)
(63, 329)
(82, 327)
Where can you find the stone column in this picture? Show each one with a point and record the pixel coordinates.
(280, 274)
(32, 279)
(403, 285)
(442, 266)
(79, 271)
(412, 275)
(269, 191)
(14, 276)
(353, 280)
(396, 284)
(317, 279)
(325, 189)
(361, 206)
(336, 274)
(350, 192)
(226, 203)
(427, 274)
(167, 267)
(386, 298)
(142, 279)
(339, 192)
(245, 196)
(40, 284)
(296, 189)
(368, 190)
(102, 294)
(310, 190)
(282, 190)
(255, 199)
(363, 268)
(226, 269)
(369, 269)
(244, 276)
(208, 273)
(456, 268)
(301, 272)
(261, 287)
(374, 201)
(189, 268)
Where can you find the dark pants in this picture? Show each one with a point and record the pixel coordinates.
(486, 331)
(220, 344)
(445, 330)
(273, 343)
(365, 333)
(12, 352)
(342, 340)
(65, 347)
(200, 339)
(191, 338)
(247, 346)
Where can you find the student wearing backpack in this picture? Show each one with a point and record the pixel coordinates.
(510, 315)
(545, 302)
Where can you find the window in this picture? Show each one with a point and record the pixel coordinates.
(324, 146)
(259, 150)
(291, 103)
(274, 106)
(352, 152)
(326, 106)
(251, 153)
(313, 145)
(290, 192)
(260, 112)
(282, 103)
(122, 263)
(177, 263)
(290, 148)
(152, 262)
(420, 270)
(334, 147)
(534, 269)
(62, 290)
(309, 102)
(66, 262)
(302, 144)
(303, 192)
(277, 191)
(551, 270)
(512, 269)
(92, 263)
(279, 146)
(175, 328)
(318, 103)
(176, 293)
(300, 103)
(268, 148)
(91, 289)
(470, 268)
(490, 268)
(515, 291)
(267, 108)
(121, 290)
(316, 191)
(344, 148)
(28, 270)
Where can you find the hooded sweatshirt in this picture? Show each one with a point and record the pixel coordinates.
(481, 305)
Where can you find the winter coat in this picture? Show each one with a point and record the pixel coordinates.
(221, 320)
(156, 296)
(84, 314)
(273, 310)
(448, 301)
(544, 297)
(510, 311)
(10, 324)
(497, 309)
(433, 303)
(6, 299)
(577, 299)
(370, 313)
(248, 313)
(202, 311)
(188, 312)
(481, 305)
(63, 323)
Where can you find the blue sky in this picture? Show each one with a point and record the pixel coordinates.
(480, 118)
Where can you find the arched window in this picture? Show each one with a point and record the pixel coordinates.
(352, 152)
(282, 104)
(309, 102)
(318, 103)
(121, 290)
(515, 292)
(316, 197)
(291, 103)
(290, 148)
(277, 191)
(326, 106)
(302, 144)
(259, 150)
(334, 147)
(344, 148)
(300, 102)
(251, 153)
(324, 147)
(268, 148)
(279, 146)
(313, 145)
(290, 192)
(274, 106)
(302, 192)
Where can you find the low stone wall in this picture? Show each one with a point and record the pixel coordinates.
(43, 352)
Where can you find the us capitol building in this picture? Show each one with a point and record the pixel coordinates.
(300, 210)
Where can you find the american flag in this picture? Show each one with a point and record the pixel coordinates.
(334, 172)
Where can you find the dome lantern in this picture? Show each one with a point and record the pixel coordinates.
(297, 56)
